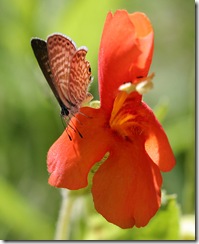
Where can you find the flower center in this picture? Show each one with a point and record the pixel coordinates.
(123, 118)
(126, 117)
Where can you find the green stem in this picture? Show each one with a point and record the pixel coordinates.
(62, 228)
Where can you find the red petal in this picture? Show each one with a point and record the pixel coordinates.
(125, 52)
(126, 187)
(146, 43)
(157, 144)
(139, 118)
(70, 161)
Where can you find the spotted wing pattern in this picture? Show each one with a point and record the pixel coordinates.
(60, 53)
(66, 70)
(79, 78)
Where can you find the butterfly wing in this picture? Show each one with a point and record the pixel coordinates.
(79, 78)
(40, 50)
(60, 52)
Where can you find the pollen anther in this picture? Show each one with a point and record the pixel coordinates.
(142, 85)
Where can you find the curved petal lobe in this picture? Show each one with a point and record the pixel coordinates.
(126, 187)
(157, 144)
(125, 53)
(118, 50)
(69, 161)
(145, 35)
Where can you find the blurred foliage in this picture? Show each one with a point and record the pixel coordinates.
(84, 218)
(30, 120)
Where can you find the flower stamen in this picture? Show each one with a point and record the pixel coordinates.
(121, 119)
(142, 85)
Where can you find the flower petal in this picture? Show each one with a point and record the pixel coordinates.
(135, 117)
(125, 53)
(126, 187)
(69, 161)
(157, 144)
(145, 33)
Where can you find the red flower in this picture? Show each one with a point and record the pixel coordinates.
(126, 187)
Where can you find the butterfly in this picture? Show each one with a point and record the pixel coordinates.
(66, 70)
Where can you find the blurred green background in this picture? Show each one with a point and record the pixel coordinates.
(29, 114)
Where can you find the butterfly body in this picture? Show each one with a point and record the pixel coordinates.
(65, 69)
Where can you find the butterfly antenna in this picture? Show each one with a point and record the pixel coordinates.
(69, 136)
(73, 115)
(75, 128)
(67, 118)
(89, 117)
(66, 128)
